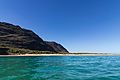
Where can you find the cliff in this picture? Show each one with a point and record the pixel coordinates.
(16, 37)
(57, 47)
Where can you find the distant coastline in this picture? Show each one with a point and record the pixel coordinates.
(17, 41)
(26, 52)
(61, 54)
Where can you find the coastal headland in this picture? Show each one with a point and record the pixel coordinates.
(17, 41)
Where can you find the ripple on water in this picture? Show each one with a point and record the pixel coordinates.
(60, 68)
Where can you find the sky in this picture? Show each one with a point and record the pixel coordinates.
(79, 25)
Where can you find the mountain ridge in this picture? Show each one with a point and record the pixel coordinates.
(17, 37)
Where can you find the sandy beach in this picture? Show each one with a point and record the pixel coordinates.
(64, 55)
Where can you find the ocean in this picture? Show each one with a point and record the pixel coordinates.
(60, 68)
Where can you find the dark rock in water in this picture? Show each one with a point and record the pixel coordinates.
(57, 47)
(16, 37)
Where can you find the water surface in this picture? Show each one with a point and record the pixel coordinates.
(60, 68)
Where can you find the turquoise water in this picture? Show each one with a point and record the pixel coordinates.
(60, 68)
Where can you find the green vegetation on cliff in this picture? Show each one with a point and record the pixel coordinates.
(20, 40)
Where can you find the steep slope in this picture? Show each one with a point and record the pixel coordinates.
(57, 47)
(17, 37)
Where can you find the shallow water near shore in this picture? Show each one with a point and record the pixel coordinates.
(60, 68)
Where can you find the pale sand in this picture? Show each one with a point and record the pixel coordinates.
(64, 55)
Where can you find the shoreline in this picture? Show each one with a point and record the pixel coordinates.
(92, 54)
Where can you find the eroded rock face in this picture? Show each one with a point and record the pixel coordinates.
(17, 37)
(57, 47)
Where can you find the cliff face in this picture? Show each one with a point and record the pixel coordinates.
(17, 37)
(57, 47)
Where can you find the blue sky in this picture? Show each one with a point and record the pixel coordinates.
(79, 25)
